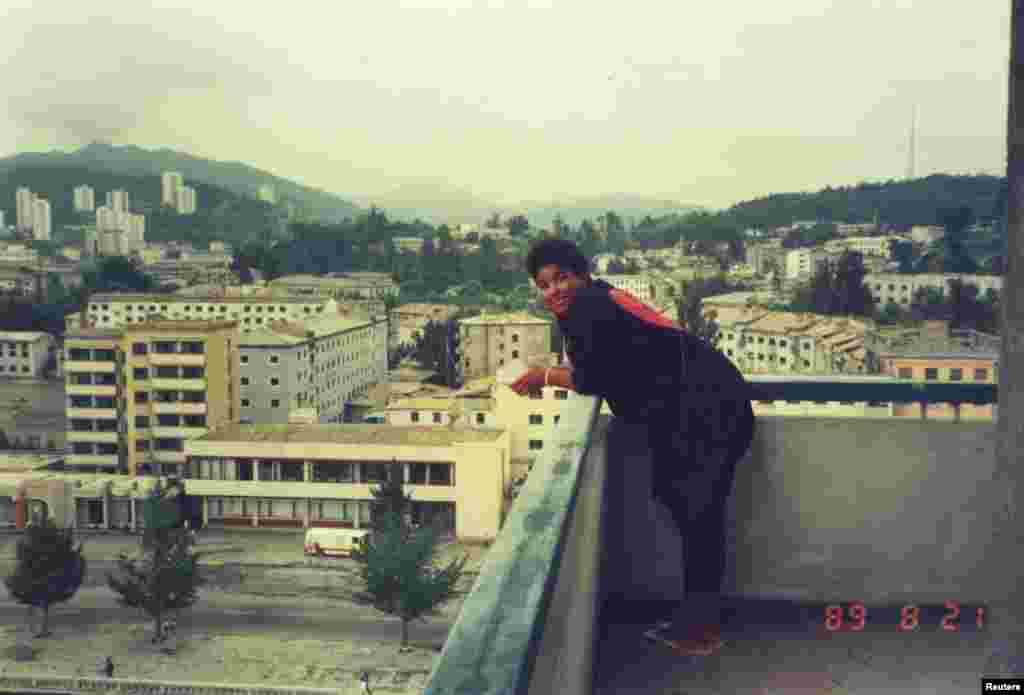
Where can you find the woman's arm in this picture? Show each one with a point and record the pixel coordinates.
(561, 377)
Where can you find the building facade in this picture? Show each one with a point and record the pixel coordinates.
(321, 475)
(488, 341)
(900, 288)
(136, 394)
(250, 311)
(320, 364)
(24, 354)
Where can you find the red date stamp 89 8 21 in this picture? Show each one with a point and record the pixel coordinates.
(853, 617)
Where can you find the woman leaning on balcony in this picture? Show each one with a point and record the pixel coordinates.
(694, 402)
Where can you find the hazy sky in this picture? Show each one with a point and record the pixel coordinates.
(707, 103)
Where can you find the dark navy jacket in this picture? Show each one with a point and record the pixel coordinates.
(650, 370)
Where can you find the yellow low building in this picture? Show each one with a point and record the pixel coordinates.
(303, 475)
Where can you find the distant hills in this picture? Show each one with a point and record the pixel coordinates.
(438, 203)
(240, 179)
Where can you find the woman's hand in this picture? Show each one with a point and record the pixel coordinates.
(532, 380)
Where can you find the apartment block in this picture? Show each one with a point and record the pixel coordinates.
(640, 286)
(84, 199)
(900, 288)
(118, 201)
(926, 233)
(337, 286)
(24, 199)
(804, 263)
(251, 311)
(760, 341)
(866, 246)
(849, 230)
(136, 394)
(42, 219)
(488, 341)
(298, 475)
(320, 364)
(170, 182)
(24, 354)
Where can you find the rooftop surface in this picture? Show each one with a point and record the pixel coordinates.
(349, 434)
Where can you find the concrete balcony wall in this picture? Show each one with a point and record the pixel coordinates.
(822, 510)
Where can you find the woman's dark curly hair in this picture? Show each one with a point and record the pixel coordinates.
(561, 252)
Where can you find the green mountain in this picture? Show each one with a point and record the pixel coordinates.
(901, 203)
(240, 179)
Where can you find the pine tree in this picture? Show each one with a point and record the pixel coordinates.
(397, 561)
(49, 569)
(165, 577)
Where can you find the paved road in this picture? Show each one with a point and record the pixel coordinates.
(223, 613)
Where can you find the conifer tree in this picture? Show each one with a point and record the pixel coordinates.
(165, 577)
(49, 568)
(397, 562)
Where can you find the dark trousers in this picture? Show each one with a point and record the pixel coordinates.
(692, 475)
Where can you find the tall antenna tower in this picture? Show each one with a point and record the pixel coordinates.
(912, 154)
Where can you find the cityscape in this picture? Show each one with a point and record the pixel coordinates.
(257, 425)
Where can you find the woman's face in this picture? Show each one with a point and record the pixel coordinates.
(559, 287)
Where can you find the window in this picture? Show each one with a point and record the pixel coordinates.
(274, 381)
(245, 381)
(274, 359)
(245, 403)
(980, 374)
(166, 372)
(956, 374)
(244, 359)
(536, 419)
(139, 348)
(931, 374)
(140, 373)
(192, 372)
(142, 421)
(437, 417)
(275, 403)
(479, 418)
(141, 445)
(906, 373)
(415, 417)
(536, 444)
(142, 397)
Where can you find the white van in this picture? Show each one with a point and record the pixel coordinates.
(338, 542)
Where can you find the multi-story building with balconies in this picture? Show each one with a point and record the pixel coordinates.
(490, 341)
(864, 245)
(250, 311)
(24, 354)
(320, 364)
(135, 394)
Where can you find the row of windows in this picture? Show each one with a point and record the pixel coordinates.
(220, 308)
(274, 403)
(94, 448)
(92, 379)
(143, 373)
(13, 369)
(931, 373)
(160, 444)
(106, 402)
(353, 511)
(350, 472)
(171, 420)
(771, 358)
(169, 347)
(85, 355)
(171, 397)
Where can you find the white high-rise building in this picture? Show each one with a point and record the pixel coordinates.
(2, 220)
(106, 219)
(41, 222)
(24, 208)
(111, 242)
(267, 194)
(117, 201)
(137, 230)
(170, 181)
(85, 199)
(186, 200)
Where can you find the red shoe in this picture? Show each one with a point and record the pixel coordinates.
(697, 640)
